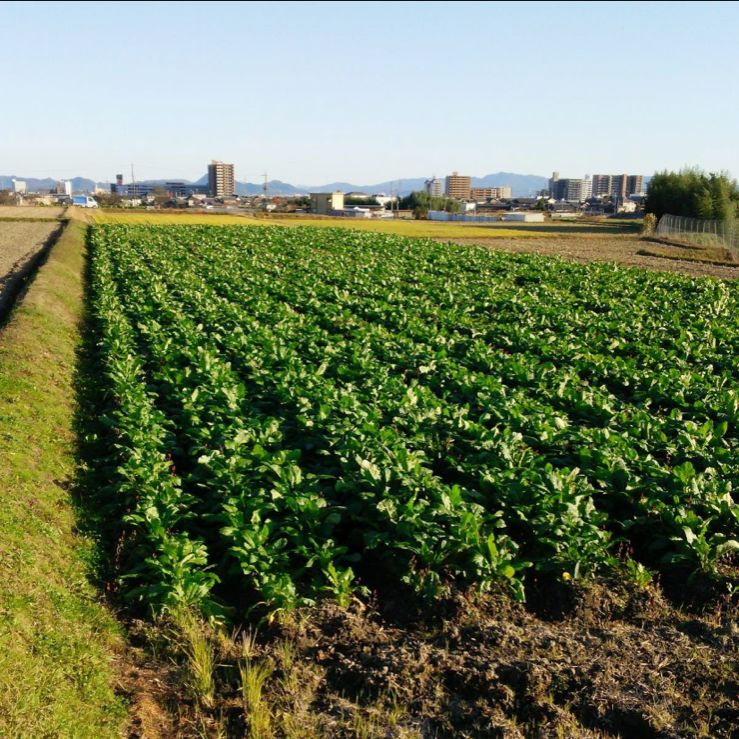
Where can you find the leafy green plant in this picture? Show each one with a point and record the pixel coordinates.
(296, 414)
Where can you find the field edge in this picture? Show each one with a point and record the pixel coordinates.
(58, 643)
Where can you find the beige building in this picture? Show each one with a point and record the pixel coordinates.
(221, 180)
(458, 186)
(490, 193)
(323, 203)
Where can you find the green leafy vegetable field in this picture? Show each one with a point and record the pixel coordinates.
(296, 413)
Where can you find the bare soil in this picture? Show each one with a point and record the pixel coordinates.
(30, 211)
(20, 242)
(620, 249)
(603, 662)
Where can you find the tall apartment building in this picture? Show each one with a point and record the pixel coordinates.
(458, 186)
(579, 190)
(221, 181)
(569, 189)
(434, 187)
(602, 185)
(490, 193)
(635, 184)
(555, 189)
(617, 185)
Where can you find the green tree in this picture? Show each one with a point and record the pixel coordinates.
(693, 193)
(108, 199)
(420, 202)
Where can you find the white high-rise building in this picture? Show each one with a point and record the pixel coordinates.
(19, 186)
(434, 187)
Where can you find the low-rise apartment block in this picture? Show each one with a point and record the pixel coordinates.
(323, 203)
(479, 194)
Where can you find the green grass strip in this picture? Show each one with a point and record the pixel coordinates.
(57, 641)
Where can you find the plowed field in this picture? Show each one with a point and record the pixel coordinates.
(19, 242)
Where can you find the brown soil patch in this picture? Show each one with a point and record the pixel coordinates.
(21, 243)
(151, 688)
(620, 249)
(50, 212)
(615, 662)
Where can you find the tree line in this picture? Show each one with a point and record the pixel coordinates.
(421, 202)
(694, 194)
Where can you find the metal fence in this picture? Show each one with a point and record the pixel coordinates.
(701, 232)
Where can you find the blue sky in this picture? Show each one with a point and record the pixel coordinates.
(365, 92)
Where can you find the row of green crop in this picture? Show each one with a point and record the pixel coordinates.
(318, 410)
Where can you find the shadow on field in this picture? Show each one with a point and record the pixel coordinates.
(95, 517)
(581, 228)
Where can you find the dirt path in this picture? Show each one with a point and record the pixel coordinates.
(620, 249)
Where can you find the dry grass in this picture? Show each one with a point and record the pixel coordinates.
(163, 217)
(200, 657)
(419, 229)
(624, 250)
(707, 255)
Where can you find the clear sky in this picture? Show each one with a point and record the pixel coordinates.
(365, 92)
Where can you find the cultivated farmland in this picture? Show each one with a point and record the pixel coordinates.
(435, 466)
(301, 413)
(456, 492)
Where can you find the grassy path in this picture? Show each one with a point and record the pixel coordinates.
(56, 639)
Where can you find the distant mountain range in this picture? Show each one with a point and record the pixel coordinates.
(33, 184)
(521, 185)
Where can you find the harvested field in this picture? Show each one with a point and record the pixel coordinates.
(416, 229)
(20, 211)
(620, 249)
(19, 242)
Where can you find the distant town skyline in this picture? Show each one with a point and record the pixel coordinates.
(313, 93)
